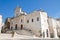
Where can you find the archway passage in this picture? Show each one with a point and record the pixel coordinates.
(16, 27)
(21, 26)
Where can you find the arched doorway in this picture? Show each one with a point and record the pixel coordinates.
(16, 27)
(21, 26)
(8, 25)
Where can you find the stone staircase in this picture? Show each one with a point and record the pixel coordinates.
(24, 32)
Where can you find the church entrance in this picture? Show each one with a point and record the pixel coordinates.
(16, 27)
(8, 25)
(21, 26)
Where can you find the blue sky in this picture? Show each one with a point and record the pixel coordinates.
(52, 7)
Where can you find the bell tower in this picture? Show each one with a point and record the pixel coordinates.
(17, 11)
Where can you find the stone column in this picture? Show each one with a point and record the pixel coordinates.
(55, 33)
(44, 35)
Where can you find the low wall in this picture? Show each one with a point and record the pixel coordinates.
(22, 37)
(29, 39)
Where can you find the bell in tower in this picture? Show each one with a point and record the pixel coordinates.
(17, 11)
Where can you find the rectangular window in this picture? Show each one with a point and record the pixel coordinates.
(21, 20)
(27, 21)
(32, 20)
(37, 18)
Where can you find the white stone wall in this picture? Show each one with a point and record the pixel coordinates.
(54, 25)
(0, 22)
(44, 24)
(35, 25)
(58, 23)
(50, 27)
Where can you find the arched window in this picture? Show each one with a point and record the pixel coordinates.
(27, 21)
(32, 20)
(16, 27)
(21, 26)
(21, 20)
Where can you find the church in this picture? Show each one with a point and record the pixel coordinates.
(37, 22)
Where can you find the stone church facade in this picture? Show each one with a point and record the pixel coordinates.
(37, 22)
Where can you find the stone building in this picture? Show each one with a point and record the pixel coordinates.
(36, 22)
(0, 22)
(54, 26)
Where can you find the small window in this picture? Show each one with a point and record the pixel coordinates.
(21, 20)
(32, 20)
(16, 27)
(27, 21)
(37, 18)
